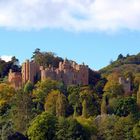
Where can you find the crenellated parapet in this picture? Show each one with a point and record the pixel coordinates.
(70, 73)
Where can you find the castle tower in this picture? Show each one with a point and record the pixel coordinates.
(126, 83)
(84, 74)
(29, 71)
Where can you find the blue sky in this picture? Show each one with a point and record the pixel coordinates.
(84, 31)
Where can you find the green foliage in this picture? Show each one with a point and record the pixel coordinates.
(21, 112)
(46, 58)
(85, 113)
(6, 94)
(126, 106)
(61, 105)
(91, 105)
(43, 127)
(105, 126)
(6, 128)
(42, 89)
(136, 131)
(112, 127)
(123, 64)
(70, 129)
(74, 99)
(28, 88)
(88, 126)
(6, 66)
(123, 129)
(112, 86)
(51, 99)
(103, 107)
(56, 103)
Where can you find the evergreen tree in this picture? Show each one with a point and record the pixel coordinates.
(61, 105)
(84, 110)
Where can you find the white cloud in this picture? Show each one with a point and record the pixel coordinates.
(6, 58)
(76, 15)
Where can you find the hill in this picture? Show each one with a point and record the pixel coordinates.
(123, 64)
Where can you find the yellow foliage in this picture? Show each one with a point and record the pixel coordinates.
(6, 92)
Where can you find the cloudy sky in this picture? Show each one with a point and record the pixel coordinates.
(93, 31)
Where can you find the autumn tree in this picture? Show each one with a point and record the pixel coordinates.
(42, 89)
(56, 103)
(136, 131)
(6, 94)
(51, 99)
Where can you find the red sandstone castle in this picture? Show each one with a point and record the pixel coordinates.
(70, 73)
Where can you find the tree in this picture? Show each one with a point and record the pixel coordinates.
(6, 128)
(120, 56)
(70, 129)
(61, 105)
(6, 94)
(21, 112)
(84, 110)
(113, 86)
(105, 127)
(56, 103)
(51, 99)
(74, 99)
(42, 89)
(91, 105)
(46, 58)
(136, 131)
(43, 127)
(124, 128)
(28, 88)
(126, 106)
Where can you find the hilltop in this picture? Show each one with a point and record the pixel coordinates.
(123, 64)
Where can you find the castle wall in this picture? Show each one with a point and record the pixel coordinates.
(126, 83)
(69, 73)
(15, 79)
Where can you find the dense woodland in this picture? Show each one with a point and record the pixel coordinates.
(50, 110)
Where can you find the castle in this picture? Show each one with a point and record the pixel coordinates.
(68, 72)
(126, 83)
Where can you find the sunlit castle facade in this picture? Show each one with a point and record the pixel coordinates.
(68, 72)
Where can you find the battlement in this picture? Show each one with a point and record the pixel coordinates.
(69, 72)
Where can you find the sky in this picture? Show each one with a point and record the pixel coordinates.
(90, 31)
